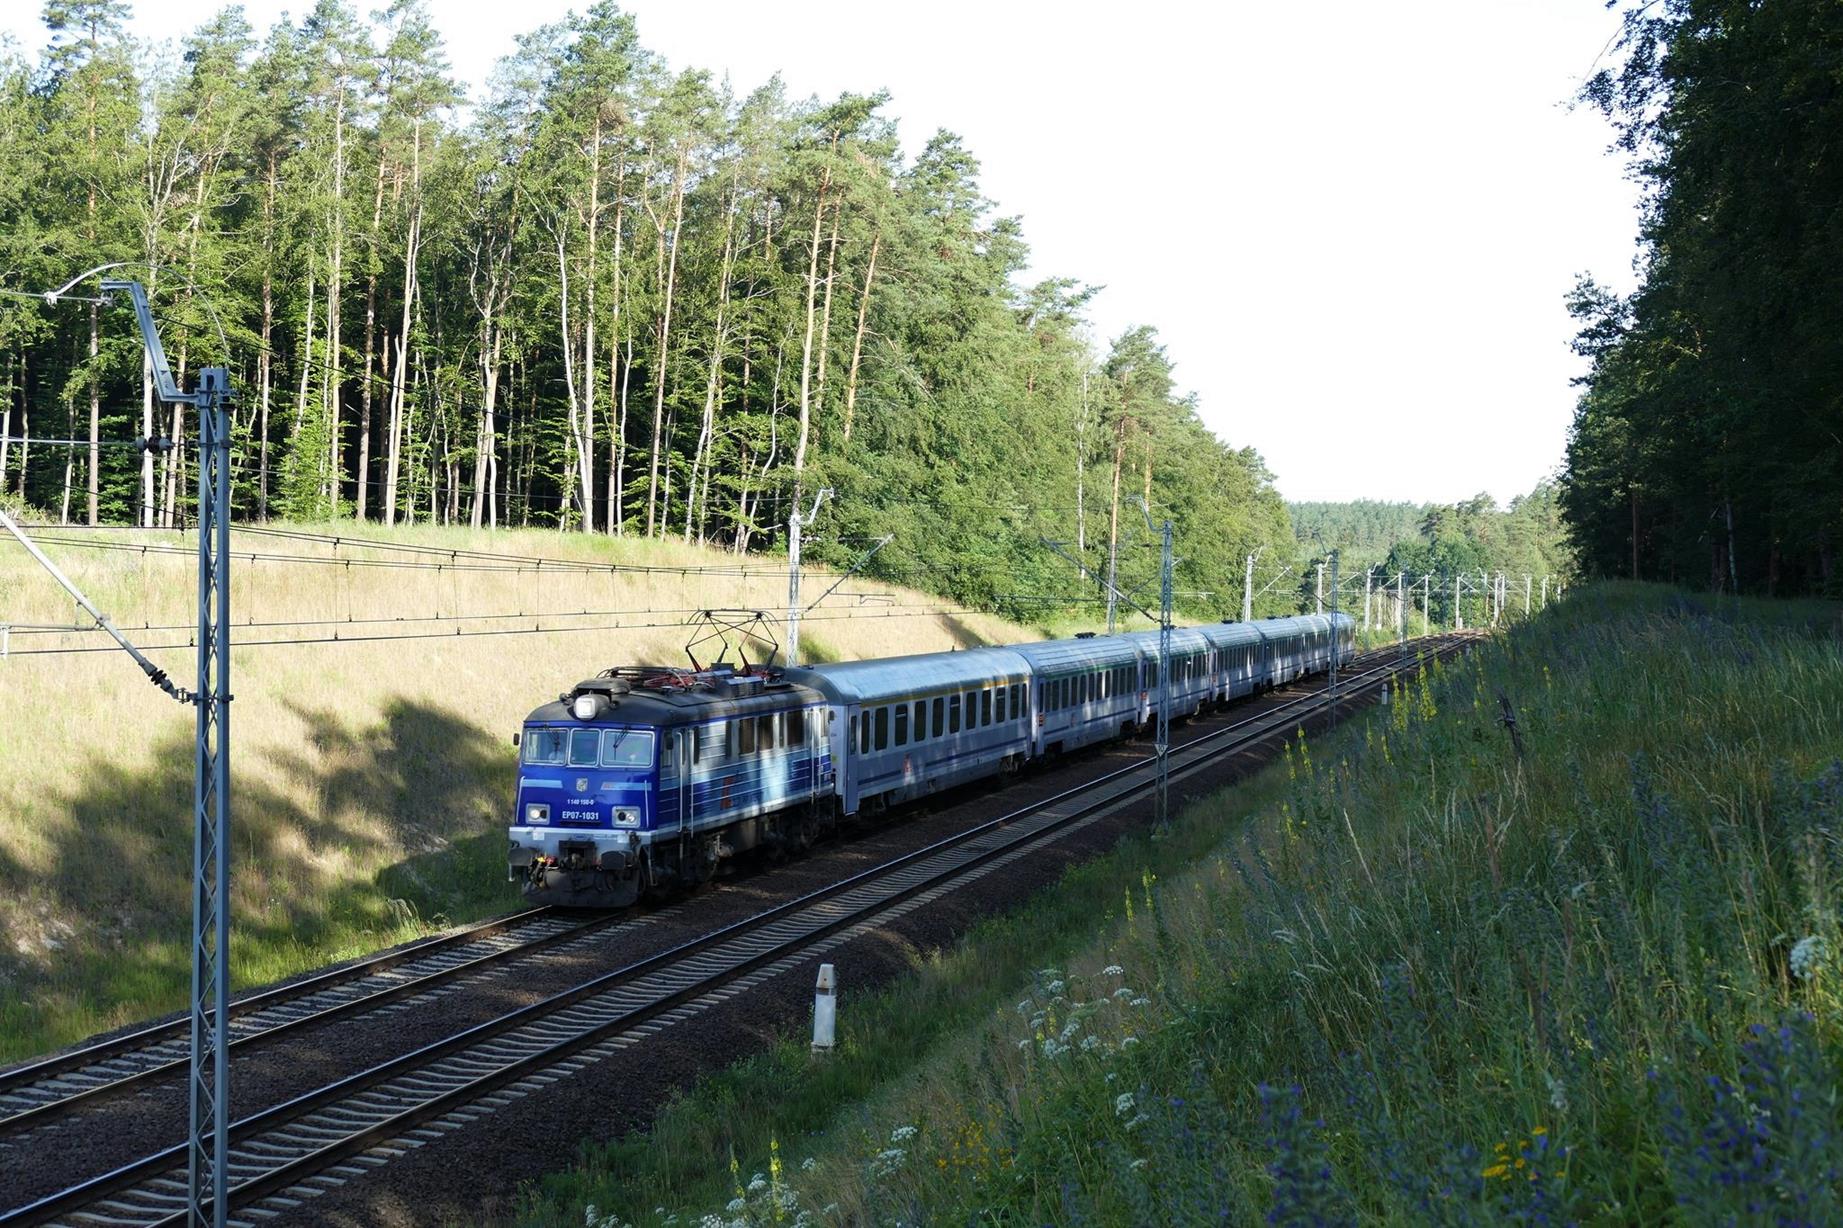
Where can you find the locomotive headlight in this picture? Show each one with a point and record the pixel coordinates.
(624, 817)
(586, 707)
(537, 812)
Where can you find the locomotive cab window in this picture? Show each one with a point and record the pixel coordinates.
(548, 746)
(628, 748)
(585, 747)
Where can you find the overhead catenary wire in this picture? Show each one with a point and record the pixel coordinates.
(461, 633)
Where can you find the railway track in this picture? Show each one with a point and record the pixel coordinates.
(284, 1155)
(45, 1090)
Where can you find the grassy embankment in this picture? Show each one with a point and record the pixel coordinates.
(370, 781)
(1404, 978)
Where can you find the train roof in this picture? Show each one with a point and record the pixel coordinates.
(888, 677)
(665, 696)
(1090, 652)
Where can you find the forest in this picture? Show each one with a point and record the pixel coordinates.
(1706, 446)
(610, 296)
(1416, 540)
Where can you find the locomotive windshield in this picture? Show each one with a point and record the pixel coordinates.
(589, 747)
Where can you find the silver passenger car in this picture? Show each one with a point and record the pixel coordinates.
(905, 727)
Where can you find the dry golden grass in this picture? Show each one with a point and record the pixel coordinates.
(370, 780)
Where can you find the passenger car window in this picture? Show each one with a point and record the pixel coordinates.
(921, 719)
(938, 724)
(883, 728)
(863, 733)
(546, 745)
(999, 714)
(985, 707)
(953, 714)
(902, 724)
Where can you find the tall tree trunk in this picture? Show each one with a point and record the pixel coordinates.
(334, 376)
(362, 497)
(714, 378)
(665, 341)
(265, 362)
(569, 363)
(398, 426)
(617, 433)
(95, 383)
(857, 339)
(806, 349)
(825, 313)
(585, 450)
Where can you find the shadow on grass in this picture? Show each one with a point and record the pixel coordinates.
(338, 845)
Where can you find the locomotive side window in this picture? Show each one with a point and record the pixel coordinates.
(745, 726)
(764, 732)
(546, 745)
(796, 728)
(627, 748)
(883, 728)
(902, 724)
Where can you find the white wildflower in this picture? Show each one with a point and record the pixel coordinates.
(1112, 970)
(1054, 987)
(1123, 992)
(1136, 1122)
(1112, 1077)
(1024, 1045)
(757, 1183)
(888, 1161)
(1558, 1094)
(1023, 1008)
(734, 1205)
(1809, 955)
(1138, 1164)
(1128, 1041)
(1069, 1030)
(1123, 1103)
(1140, 1002)
(1090, 1043)
(808, 1165)
(902, 1134)
(1038, 1020)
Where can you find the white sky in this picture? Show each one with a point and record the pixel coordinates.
(1351, 221)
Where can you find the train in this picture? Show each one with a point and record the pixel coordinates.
(648, 778)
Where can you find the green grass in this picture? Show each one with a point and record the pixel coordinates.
(1403, 978)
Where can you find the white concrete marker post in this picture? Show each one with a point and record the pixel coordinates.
(825, 1010)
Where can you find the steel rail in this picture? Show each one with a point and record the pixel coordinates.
(278, 1173)
(152, 1043)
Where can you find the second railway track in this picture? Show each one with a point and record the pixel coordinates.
(317, 1141)
(38, 1092)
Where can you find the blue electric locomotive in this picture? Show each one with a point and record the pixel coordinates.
(644, 777)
